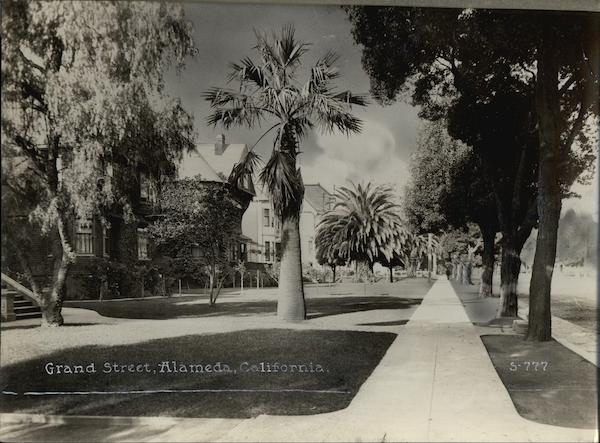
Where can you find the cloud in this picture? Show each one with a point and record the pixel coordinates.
(371, 156)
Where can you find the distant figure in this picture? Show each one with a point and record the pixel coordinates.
(448, 272)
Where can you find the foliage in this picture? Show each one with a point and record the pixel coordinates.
(447, 187)
(82, 87)
(316, 275)
(477, 68)
(269, 90)
(199, 229)
(109, 279)
(364, 224)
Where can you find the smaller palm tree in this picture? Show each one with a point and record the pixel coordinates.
(363, 227)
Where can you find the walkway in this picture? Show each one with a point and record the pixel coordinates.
(435, 383)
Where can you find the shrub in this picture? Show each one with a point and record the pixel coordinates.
(113, 279)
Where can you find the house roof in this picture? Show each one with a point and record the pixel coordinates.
(213, 166)
(318, 197)
(210, 166)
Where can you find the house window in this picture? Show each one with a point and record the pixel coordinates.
(142, 243)
(266, 217)
(84, 236)
(196, 252)
(268, 251)
(147, 188)
(106, 241)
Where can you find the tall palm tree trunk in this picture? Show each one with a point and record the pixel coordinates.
(290, 305)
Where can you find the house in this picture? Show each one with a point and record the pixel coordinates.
(317, 201)
(213, 163)
(112, 247)
(262, 227)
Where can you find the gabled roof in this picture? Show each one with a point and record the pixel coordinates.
(213, 167)
(318, 197)
(210, 166)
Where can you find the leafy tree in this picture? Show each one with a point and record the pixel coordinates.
(448, 190)
(418, 54)
(81, 81)
(269, 90)
(328, 252)
(200, 225)
(492, 65)
(363, 226)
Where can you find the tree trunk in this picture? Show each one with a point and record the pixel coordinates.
(487, 258)
(291, 305)
(459, 272)
(51, 305)
(549, 197)
(333, 271)
(509, 278)
(211, 283)
(466, 274)
(391, 274)
(361, 271)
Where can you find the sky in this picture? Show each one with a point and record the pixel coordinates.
(225, 33)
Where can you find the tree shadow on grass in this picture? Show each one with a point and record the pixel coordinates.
(169, 308)
(386, 323)
(334, 366)
(345, 305)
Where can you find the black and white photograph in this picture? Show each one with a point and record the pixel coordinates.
(299, 221)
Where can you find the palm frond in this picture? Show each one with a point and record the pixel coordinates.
(245, 168)
(283, 181)
(366, 221)
(247, 71)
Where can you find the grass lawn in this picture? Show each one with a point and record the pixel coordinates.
(320, 302)
(547, 382)
(167, 308)
(346, 358)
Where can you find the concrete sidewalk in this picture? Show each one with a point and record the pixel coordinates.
(435, 383)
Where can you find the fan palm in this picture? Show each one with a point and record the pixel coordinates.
(363, 227)
(270, 91)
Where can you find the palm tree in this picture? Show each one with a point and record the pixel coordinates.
(363, 227)
(328, 251)
(270, 91)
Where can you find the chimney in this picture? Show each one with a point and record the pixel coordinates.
(220, 145)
